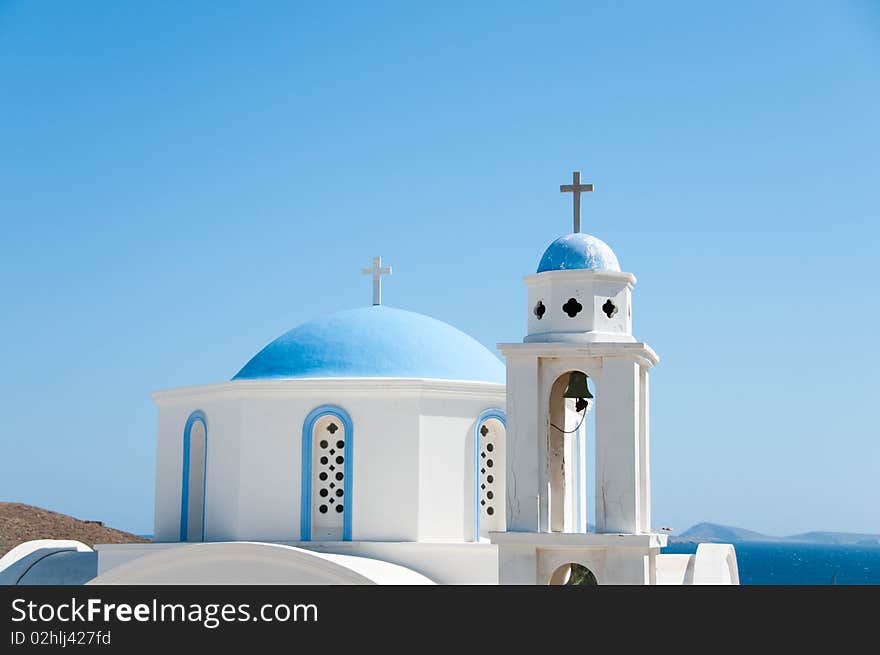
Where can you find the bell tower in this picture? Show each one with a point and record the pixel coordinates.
(578, 362)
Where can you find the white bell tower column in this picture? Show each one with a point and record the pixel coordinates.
(579, 320)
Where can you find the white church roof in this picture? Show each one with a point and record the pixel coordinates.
(375, 342)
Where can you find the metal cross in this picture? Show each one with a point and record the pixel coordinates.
(377, 271)
(576, 188)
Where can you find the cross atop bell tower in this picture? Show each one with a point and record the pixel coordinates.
(576, 189)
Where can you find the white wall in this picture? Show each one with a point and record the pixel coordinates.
(444, 563)
(591, 288)
(713, 564)
(617, 447)
(384, 447)
(675, 569)
(223, 419)
(270, 468)
(411, 460)
(523, 450)
(614, 559)
(254, 563)
(386, 468)
(644, 452)
(446, 465)
(446, 496)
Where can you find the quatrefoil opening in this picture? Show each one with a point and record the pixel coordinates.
(572, 307)
(609, 308)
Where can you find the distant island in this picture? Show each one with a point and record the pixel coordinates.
(20, 523)
(728, 534)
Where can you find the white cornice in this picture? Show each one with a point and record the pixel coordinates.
(365, 386)
(580, 275)
(638, 350)
(580, 539)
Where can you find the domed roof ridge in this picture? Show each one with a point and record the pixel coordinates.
(377, 341)
(578, 251)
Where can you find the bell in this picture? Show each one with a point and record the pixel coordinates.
(577, 386)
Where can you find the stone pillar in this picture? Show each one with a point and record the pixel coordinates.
(556, 463)
(523, 445)
(617, 447)
(644, 453)
(517, 564)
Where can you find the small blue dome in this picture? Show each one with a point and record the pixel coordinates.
(578, 251)
(375, 342)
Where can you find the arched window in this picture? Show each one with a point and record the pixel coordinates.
(490, 439)
(195, 461)
(327, 441)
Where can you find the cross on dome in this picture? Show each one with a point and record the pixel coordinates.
(377, 271)
(576, 188)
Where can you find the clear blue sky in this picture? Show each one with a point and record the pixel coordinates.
(182, 182)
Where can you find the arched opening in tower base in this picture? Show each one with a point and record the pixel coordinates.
(573, 574)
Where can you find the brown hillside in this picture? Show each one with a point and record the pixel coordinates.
(20, 522)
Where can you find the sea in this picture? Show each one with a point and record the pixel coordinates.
(773, 563)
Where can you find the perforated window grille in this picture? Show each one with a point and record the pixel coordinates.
(490, 471)
(328, 478)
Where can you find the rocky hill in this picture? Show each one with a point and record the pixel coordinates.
(20, 522)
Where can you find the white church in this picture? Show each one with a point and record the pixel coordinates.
(381, 446)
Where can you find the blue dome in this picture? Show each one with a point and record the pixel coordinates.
(578, 251)
(375, 342)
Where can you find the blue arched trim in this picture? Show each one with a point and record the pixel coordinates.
(495, 413)
(305, 514)
(197, 415)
